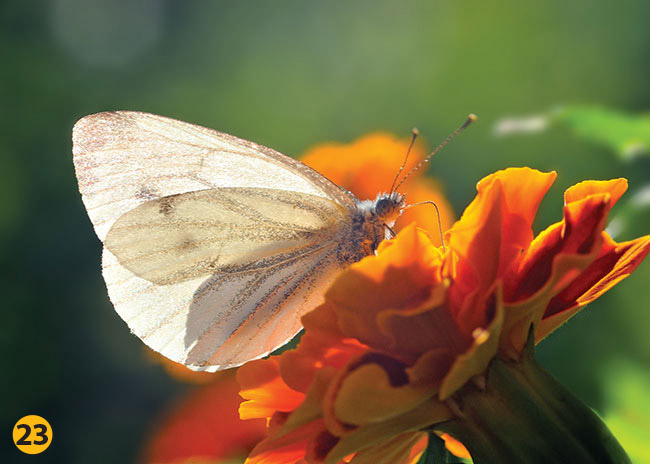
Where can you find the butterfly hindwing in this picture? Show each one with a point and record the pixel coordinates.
(224, 230)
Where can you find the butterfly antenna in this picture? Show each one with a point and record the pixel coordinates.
(429, 202)
(470, 119)
(414, 135)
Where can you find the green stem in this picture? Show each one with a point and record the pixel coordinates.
(524, 415)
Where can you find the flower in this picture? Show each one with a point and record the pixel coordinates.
(369, 165)
(403, 331)
(205, 427)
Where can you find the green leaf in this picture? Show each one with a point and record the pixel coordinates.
(626, 134)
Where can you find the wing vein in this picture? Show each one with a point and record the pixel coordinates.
(270, 294)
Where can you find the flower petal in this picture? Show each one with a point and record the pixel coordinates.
(401, 275)
(455, 447)
(395, 451)
(615, 187)
(425, 327)
(430, 412)
(490, 235)
(615, 263)
(262, 385)
(476, 359)
(432, 366)
(523, 190)
(322, 345)
(367, 165)
(286, 448)
(367, 394)
(312, 407)
(205, 426)
(554, 260)
(587, 205)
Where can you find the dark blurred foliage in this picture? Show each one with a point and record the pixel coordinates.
(288, 74)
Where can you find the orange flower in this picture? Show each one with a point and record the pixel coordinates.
(369, 165)
(401, 332)
(205, 427)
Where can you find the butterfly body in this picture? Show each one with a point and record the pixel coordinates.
(215, 246)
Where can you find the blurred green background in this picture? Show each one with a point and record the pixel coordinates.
(290, 74)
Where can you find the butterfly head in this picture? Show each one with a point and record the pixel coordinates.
(388, 206)
(373, 221)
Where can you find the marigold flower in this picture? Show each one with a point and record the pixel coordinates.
(369, 164)
(401, 332)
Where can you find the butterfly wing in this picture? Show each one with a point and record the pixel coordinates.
(217, 277)
(125, 158)
(214, 246)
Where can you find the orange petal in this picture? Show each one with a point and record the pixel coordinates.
(400, 277)
(312, 407)
(628, 256)
(514, 194)
(474, 242)
(615, 187)
(425, 327)
(554, 260)
(368, 393)
(490, 235)
(579, 234)
(322, 345)
(455, 447)
(286, 448)
(206, 426)
(432, 366)
(395, 451)
(418, 449)
(523, 190)
(484, 347)
(615, 262)
(262, 385)
(430, 412)
(320, 446)
(366, 166)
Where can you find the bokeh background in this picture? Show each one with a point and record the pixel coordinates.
(290, 74)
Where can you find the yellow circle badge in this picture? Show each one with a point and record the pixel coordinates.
(32, 434)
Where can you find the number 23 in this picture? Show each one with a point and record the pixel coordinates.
(42, 429)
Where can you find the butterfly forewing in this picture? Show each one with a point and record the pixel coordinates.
(214, 246)
(123, 159)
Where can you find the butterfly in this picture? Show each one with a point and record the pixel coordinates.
(215, 246)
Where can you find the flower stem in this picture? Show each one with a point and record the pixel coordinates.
(524, 415)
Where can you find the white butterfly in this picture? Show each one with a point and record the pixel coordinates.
(215, 246)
